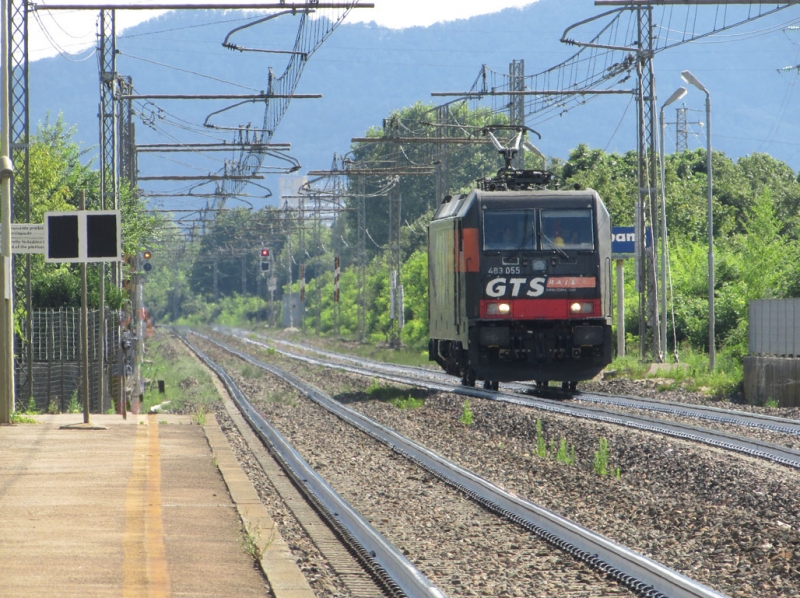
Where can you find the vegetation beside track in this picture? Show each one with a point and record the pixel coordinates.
(188, 387)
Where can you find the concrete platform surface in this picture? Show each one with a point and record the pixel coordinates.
(139, 508)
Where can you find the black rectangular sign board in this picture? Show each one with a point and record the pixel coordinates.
(82, 236)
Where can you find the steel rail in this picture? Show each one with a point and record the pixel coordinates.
(631, 569)
(748, 446)
(397, 570)
(717, 414)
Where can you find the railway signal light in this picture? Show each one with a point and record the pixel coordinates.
(266, 263)
(146, 265)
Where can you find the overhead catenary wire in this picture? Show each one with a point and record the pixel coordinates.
(59, 48)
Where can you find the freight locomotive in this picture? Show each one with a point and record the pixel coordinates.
(519, 281)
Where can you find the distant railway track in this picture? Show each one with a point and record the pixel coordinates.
(641, 574)
(755, 447)
(704, 412)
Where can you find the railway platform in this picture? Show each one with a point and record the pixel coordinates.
(151, 505)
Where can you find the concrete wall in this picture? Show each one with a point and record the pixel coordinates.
(775, 378)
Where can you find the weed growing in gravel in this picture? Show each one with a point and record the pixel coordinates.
(601, 460)
(199, 416)
(773, 403)
(541, 447)
(275, 397)
(566, 456)
(467, 417)
(250, 371)
(563, 454)
(251, 544)
(408, 403)
(393, 395)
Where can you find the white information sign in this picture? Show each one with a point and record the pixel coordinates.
(27, 238)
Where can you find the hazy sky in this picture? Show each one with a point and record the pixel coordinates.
(75, 31)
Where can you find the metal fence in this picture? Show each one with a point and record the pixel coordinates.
(56, 367)
(774, 327)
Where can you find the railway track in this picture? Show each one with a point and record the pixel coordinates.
(722, 439)
(726, 519)
(643, 575)
(702, 412)
(389, 568)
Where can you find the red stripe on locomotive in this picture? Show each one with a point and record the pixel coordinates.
(540, 309)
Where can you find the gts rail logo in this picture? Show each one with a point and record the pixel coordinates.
(499, 287)
(535, 287)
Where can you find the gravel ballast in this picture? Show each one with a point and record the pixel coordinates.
(729, 521)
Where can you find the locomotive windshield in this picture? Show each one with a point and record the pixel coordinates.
(509, 230)
(567, 229)
(516, 230)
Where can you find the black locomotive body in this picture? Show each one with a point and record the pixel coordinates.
(520, 286)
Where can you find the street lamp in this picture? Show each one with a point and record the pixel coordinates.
(692, 80)
(677, 95)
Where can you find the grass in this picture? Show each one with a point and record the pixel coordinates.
(199, 416)
(252, 372)
(251, 544)
(281, 399)
(601, 460)
(22, 418)
(565, 453)
(368, 350)
(393, 395)
(73, 406)
(408, 403)
(187, 384)
(467, 417)
(541, 444)
(693, 373)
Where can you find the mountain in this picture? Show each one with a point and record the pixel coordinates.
(365, 71)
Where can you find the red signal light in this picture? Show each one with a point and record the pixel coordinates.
(265, 253)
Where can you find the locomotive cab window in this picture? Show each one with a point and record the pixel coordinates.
(567, 229)
(509, 230)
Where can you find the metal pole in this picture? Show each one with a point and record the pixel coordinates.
(620, 309)
(84, 332)
(711, 334)
(676, 95)
(690, 78)
(662, 159)
(6, 172)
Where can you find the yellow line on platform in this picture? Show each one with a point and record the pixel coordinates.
(144, 565)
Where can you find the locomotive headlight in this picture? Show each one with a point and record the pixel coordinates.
(539, 265)
(581, 307)
(498, 309)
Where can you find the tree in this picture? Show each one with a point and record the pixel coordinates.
(57, 176)
(465, 163)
